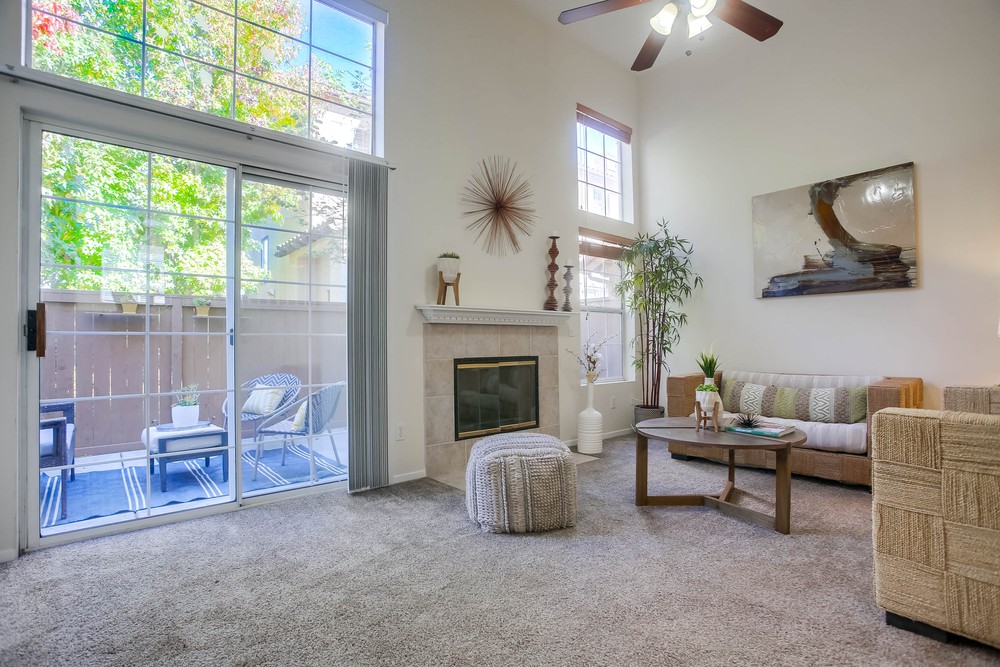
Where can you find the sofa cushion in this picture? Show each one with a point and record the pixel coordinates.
(802, 381)
(843, 438)
(829, 405)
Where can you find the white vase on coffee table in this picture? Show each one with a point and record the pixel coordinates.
(590, 423)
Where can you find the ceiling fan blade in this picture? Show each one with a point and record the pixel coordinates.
(596, 9)
(649, 51)
(747, 18)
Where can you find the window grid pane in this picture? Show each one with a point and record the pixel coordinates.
(599, 173)
(602, 315)
(307, 70)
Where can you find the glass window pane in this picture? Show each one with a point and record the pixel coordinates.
(76, 168)
(341, 126)
(269, 56)
(612, 148)
(87, 55)
(614, 203)
(122, 17)
(78, 234)
(595, 141)
(613, 176)
(581, 135)
(268, 106)
(595, 170)
(581, 165)
(273, 205)
(341, 81)
(188, 187)
(582, 196)
(290, 17)
(329, 214)
(192, 30)
(188, 255)
(188, 84)
(595, 200)
(344, 35)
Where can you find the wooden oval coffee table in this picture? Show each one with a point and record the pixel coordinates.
(682, 429)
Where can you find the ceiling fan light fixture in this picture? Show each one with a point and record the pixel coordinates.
(697, 24)
(664, 20)
(700, 8)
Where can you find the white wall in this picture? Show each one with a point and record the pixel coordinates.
(465, 80)
(844, 87)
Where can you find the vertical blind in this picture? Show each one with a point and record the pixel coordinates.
(367, 313)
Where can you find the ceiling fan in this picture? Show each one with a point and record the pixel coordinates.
(742, 16)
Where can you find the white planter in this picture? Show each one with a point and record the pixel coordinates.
(590, 426)
(449, 268)
(708, 399)
(185, 415)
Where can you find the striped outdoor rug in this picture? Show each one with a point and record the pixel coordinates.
(103, 493)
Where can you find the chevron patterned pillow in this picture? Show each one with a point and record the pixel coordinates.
(834, 405)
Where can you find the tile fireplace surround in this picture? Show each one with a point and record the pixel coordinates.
(445, 459)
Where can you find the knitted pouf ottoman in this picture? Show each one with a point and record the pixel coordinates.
(521, 483)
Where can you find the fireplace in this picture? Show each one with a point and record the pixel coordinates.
(495, 395)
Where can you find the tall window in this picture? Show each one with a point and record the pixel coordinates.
(602, 167)
(602, 315)
(303, 67)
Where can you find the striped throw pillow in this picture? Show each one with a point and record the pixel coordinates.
(299, 420)
(263, 400)
(834, 405)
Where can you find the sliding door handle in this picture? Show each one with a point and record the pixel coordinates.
(34, 330)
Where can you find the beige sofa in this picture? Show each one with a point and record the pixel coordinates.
(838, 452)
(936, 521)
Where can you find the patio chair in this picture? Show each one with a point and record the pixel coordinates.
(308, 416)
(292, 387)
(57, 444)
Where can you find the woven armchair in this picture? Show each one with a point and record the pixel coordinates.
(936, 521)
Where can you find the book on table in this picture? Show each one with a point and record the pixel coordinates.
(766, 429)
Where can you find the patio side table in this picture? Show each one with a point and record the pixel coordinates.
(181, 444)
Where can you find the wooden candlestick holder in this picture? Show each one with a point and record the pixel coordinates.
(552, 303)
(568, 276)
(703, 419)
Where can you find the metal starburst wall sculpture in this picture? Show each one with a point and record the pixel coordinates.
(498, 196)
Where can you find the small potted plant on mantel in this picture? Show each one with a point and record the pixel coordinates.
(449, 264)
(186, 410)
(202, 305)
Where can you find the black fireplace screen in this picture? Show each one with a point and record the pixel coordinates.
(495, 395)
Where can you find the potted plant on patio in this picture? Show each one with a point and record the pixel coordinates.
(186, 410)
(657, 277)
(202, 305)
(129, 304)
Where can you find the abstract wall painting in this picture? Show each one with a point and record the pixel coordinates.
(848, 234)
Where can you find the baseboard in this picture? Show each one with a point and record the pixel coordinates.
(408, 476)
(615, 434)
(8, 555)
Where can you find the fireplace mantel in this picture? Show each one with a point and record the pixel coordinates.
(473, 315)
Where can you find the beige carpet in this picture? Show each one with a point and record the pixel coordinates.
(401, 577)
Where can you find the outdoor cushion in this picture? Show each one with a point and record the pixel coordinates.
(830, 405)
(263, 399)
(299, 420)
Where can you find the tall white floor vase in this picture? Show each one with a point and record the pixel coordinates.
(590, 424)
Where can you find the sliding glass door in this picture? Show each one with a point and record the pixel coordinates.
(292, 345)
(193, 326)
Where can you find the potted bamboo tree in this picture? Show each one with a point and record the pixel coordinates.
(657, 277)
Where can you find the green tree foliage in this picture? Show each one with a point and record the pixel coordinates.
(126, 220)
